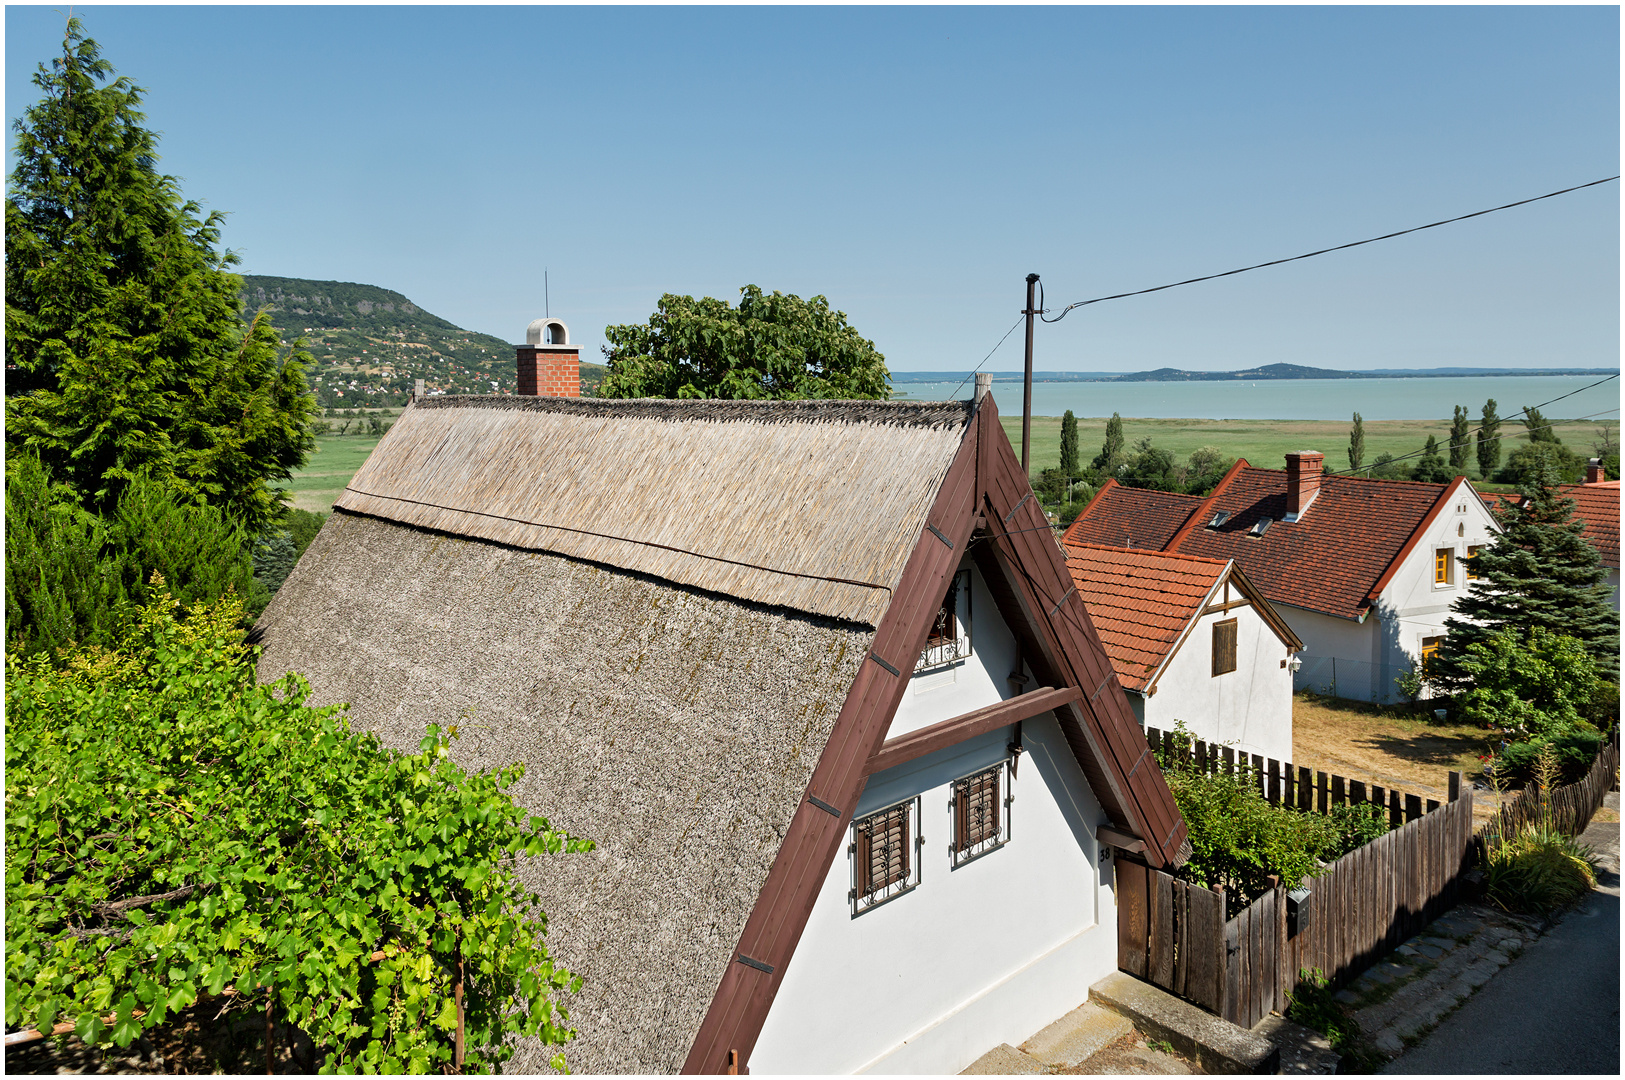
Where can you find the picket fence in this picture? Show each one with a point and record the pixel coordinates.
(1570, 808)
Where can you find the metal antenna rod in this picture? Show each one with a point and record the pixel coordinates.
(547, 298)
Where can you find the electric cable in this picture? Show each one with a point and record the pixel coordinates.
(985, 359)
(1322, 251)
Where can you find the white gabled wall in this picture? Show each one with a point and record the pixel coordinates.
(986, 953)
(1249, 708)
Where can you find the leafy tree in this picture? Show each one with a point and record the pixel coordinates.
(121, 318)
(1111, 452)
(1069, 444)
(1386, 468)
(1489, 440)
(770, 346)
(1539, 573)
(1151, 467)
(1356, 443)
(1430, 467)
(1538, 685)
(1461, 441)
(303, 525)
(173, 826)
(1206, 467)
(1540, 429)
(1529, 461)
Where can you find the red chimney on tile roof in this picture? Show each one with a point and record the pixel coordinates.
(549, 366)
(1594, 473)
(1302, 481)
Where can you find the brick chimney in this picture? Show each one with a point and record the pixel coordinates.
(549, 366)
(1594, 473)
(1302, 481)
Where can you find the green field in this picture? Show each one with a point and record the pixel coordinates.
(1262, 442)
(1265, 443)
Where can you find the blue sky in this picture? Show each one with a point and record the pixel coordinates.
(913, 165)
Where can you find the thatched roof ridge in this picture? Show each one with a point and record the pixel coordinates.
(904, 413)
(809, 505)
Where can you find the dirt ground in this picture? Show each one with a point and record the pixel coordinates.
(1389, 745)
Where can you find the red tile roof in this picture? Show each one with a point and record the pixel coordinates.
(1598, 506)
(1140, 601)
(1131, 518)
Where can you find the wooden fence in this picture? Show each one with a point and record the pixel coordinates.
(1286, 784)
(1175, 934)
(1571, 806)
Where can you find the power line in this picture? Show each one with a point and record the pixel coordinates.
(985, 359)
(1324, 251)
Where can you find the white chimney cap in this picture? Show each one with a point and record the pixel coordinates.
(547, 332)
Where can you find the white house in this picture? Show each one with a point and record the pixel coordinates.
(814, 677)
(1192, 640)
(1364, 571)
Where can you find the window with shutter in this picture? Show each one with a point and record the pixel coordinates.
(981, 813)
(885, 857)
(1224, 647)
(949, 638)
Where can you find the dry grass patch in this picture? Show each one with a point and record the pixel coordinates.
(1388, 745)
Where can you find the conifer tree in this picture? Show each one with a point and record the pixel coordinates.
(1539, 572)
(1461, 441)
(1356, 443)
(1489, 440)
(1111, 452)
(1069, 444)
(1540, 429)
(122, 320)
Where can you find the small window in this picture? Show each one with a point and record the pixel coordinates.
(1430, 649)
(1219, 519)
(1444, 566)
(1224, 647)
(949, 637)
(981, 813)
(885, 855)
(1259, 526)
(1467, 565)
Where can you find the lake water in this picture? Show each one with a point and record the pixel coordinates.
(1295, 399)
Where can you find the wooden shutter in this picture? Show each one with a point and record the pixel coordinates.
(1224, 646)
(976, 809)
(945, 628)
(882, 850)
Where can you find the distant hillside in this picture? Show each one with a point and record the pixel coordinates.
(1268, 371)
(371, 343)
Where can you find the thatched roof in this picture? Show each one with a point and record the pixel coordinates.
(676, 728)
(812, 505)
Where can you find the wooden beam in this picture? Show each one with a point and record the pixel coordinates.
(1108, 835)
(1211, 608)
(938, 736)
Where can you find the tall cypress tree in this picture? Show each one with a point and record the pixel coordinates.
(1461, 440)
(1111, 452)
(1489, 440)
(1539, 572)
(1069, 444)
(1540, 429)
(1356, 443)
(122, 320)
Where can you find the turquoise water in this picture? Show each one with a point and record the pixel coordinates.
(1296, 399)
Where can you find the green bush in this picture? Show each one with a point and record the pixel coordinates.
(174, 828)
(1539, 871)
(1575, 747)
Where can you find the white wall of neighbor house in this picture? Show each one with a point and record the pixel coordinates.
(1338, 654)
(1249, 708)
(975, 955)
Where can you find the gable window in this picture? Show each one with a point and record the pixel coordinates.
(1430, 649)
(1472, 553)
(1224, 647)
(980, 806)
(1444, 566)
(885, 855)
(949, 637)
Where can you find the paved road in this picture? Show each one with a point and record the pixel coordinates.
(1555, 1009)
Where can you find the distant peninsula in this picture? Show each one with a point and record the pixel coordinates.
(1257, 374)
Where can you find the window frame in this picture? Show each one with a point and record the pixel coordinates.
(962, 850)
(867, 899)
(1466, 564)
(945, 648)
(1444, 567)
(1430, 649)
(1234, 627)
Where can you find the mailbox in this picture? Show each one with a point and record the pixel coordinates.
(1298, 911)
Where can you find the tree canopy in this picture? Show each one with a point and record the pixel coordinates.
(1356, 443)
(1489, 440)
(771, 346)
(122, 321)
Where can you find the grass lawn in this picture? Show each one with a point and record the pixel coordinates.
(322, 480)
(1265, 443)
(1388, 745)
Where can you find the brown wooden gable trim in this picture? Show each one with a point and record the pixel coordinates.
(952, 732)
(815, 837)
(1103, 731)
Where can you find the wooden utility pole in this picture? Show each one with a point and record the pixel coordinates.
(1027, 381)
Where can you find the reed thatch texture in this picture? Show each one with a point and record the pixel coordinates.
(675, 727)
(812, 505)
